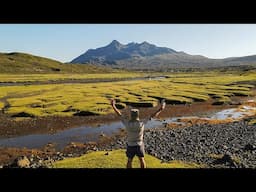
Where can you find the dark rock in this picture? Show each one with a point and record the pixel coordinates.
(249, 147)
(225, 147)
(195, 143)
(47, 159)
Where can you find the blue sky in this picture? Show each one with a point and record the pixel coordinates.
(64, 42)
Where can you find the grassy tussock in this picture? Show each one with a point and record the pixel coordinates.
(117, 159)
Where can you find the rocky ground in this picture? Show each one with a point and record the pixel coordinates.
(223, 145)
(231, 145)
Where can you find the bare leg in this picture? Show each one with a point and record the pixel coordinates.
(142, 162)
(129, 163)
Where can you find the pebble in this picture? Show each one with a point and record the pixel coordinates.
(203, 144)
(196, 144)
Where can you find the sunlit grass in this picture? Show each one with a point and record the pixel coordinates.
(55, 77)
(252, 122)
(68, 99)
(1, 105)
(117, 159)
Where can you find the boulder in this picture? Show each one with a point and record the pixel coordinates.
(22, 162)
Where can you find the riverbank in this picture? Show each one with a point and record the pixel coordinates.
(13, 127)
(200, 140)
(228, 145)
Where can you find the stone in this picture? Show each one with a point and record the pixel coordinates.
(249, 147)
(225, 147)
(47, 159)
(22, 162)
(50, 145)
(95, 148)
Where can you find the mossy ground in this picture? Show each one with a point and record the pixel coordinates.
(22, 63)
(93, 98)
(252, 122)
(117, 159)
(13, 78)
(1, 105)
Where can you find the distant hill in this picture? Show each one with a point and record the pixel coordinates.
(148, 56)
(26, 63)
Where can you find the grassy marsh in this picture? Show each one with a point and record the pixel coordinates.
(93, 98)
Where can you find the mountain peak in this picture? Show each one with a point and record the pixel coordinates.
(145, 55)
(117, 51)
(115, 42)
(145, 43)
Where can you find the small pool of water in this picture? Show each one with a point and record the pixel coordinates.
(80, 134)
(235, 113)
(92, 133)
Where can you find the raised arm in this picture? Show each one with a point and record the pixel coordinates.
(159, 110)
(113, 104)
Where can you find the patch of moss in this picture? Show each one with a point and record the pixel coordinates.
(68, 99)
(252, 122)
(1, 105)
(117, 159)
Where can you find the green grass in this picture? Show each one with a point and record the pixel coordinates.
(13, 78)
(252, 122)
(1, 105)
(68, 99)
(117, 159)
(22, 63)
(236, 159)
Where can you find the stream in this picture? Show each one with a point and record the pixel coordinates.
(73, 81)
(92, 133)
